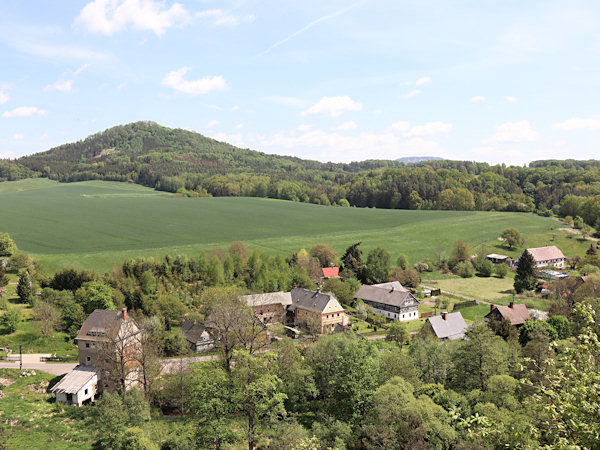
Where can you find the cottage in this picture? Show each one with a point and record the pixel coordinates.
(197, 336)
(322, 309)
(517, 314)
(391, 300)
(547, 256)
(448, 326)
(270, 307)
(104, 338)
(78, 386)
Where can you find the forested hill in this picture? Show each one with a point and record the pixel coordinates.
(176, 160)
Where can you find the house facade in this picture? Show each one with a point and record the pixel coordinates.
(270, 307)
(547, 256)
(324, 310)
(390, 300)
(517, 314)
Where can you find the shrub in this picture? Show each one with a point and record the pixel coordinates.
(465, 269)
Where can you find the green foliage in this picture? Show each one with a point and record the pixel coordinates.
(465, 269)
(460, 253)
(25, 287)
(10, 320)
(483, 266)
(512, 237)
(352, 260)
(7, 245)
(525, 277)
(561, 325)
(397, 332)
(378, 266)
(402, 261)
(501, 270)
(432, 360)
(527, 329)
(324, 253)
(94, 295)
(342, 290)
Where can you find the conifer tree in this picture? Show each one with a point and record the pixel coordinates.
(525, 277)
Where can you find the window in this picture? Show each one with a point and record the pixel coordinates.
(88, 359)
(85, 392)
(87, 345)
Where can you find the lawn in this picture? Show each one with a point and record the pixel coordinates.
(480, 288)
(98, 224)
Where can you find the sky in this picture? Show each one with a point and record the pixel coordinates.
(496, 81)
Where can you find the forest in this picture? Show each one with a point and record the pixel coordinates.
(188, 163)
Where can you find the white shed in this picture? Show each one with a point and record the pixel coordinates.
(79, 385)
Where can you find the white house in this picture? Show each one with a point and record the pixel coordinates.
(391, 300)
(548, 256)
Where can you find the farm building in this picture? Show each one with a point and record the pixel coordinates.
(323, 309)
(78, 386)
(498, 259)
(270, 307)
(391, 300)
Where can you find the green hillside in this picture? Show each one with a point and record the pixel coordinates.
(97, 224)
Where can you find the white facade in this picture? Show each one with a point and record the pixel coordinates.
(87, 392)
(409, 315)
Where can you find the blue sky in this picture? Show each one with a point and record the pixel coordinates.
(507, 81)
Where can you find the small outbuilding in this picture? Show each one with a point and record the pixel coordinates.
(498, 259)
(77, 386)
(197, 336)
(448, 326)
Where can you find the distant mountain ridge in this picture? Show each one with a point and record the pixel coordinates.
(418, 159)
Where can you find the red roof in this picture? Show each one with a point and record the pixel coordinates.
(331, 272)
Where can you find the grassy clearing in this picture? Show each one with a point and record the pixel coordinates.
(98, 224)
(475, 313)
(480, 288)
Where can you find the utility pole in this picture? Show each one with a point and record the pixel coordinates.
(20, 358)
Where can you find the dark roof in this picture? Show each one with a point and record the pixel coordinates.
(192, 331)
(314, 301)
(517, 313)
(100, 325)
(452, 327)
(386, 295)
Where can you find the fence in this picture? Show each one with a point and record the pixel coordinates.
(465, 304)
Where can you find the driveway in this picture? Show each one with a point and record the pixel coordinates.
(52, 368)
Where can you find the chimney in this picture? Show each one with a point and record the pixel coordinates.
(124, 311)
(511, 304)
(392, 290)
(319, 290)
(491, 307)
(445, 315)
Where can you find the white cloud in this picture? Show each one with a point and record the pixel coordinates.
(576, 123)
(478, 98)
(215, 107)
(60, 85)
(239, 126)
(223, 18)
(412, 94)
(121, 86)
(407, 130)
(511, 99)
(378, 112)
(18, 137)
(560, 143)
(44, 136)
(420, 82)
(346, 126)
(515, 132)
(235, 108)
(24, 111)
(212, 124)
(332, 106)
(3, 98)
(303, 128)
(176, 81)
(80, 69)
(287, 101)
(110, 16)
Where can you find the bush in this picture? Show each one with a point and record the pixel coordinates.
(501, 270)
(561, 325)
(465, 269)
(529, 326)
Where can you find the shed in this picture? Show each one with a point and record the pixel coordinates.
(77, 386)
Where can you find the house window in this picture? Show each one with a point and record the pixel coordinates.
(87, 345)
(88, 359)
(85, 392)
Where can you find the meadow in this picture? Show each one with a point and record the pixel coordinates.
(98, 224)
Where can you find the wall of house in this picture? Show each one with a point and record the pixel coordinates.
(89, 352)
(270, 313)
(81, 396)
(558, 263)
(409, 314)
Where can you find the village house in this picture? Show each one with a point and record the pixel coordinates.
(547, 256)
(197, 336)
(448, 326)
(105, 336)
(330, 272)
(270, 307)
(517, 314)
(498, 259)
(314, 306)
(391, 300)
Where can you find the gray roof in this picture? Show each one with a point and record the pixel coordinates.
(546, 253)
(75, 380)
(270, 298)
(100, 324)
(392, 285)
(453, 327)
(193, 331)
(313, 300)
(386, 295)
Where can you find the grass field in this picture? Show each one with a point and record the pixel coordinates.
(98, 224)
